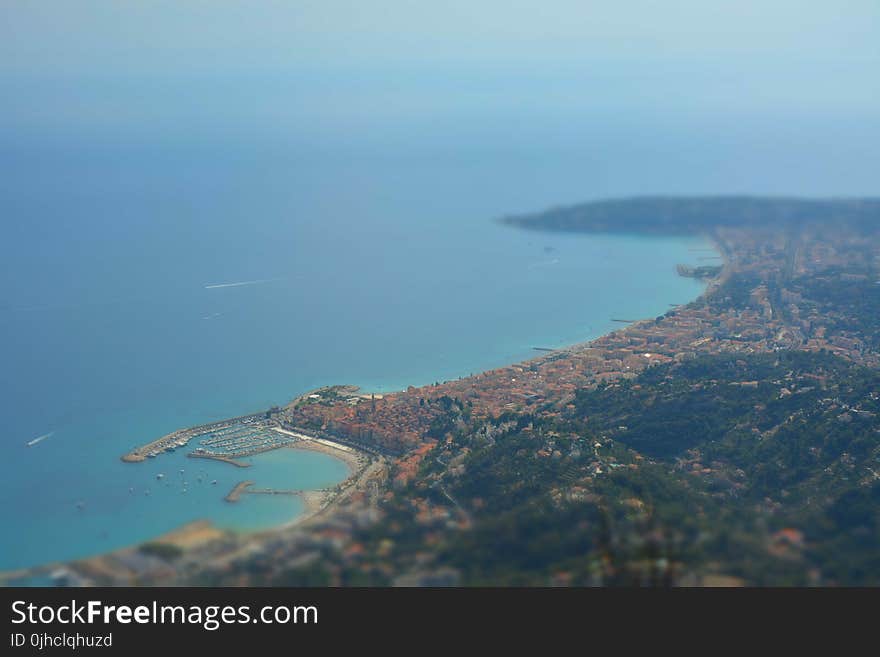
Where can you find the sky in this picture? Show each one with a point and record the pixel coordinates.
(203, 35)
(801, 44)
(345, 66)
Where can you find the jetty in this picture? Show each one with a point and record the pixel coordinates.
(245, 488)
(218, 457)
(237, 491)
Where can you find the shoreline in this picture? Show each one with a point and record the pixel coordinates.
(542, 353)
(352, 459)
(181, 437)
(320, 502)
(315, 499)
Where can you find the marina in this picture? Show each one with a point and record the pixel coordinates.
(229, 433)
(238, 440)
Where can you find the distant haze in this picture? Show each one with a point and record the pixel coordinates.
(212, 35)
(345, 60)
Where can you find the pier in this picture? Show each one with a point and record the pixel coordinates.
(217, 457)
(236, 493)
(244, 488)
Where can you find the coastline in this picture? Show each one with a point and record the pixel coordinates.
(768, 312)
(709, 285)
(321, 502)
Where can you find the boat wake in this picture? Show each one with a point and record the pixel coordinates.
(39, 439)
(214, 286)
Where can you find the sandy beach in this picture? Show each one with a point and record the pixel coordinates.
(353, 459)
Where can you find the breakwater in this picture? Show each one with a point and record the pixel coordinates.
(240, 488)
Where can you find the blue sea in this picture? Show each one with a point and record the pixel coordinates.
(168, 259)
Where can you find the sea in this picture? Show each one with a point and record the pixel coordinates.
(169, 258)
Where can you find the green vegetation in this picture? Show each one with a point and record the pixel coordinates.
(686, 471)
(849, 300)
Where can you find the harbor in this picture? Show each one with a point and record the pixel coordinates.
(222, 437)
(230, 440)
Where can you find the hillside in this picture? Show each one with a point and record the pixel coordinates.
(684, 215)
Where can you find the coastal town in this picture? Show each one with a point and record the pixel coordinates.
(767, 297)
(714, 324)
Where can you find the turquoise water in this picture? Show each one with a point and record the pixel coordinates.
(124, 342)
(368, 244)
